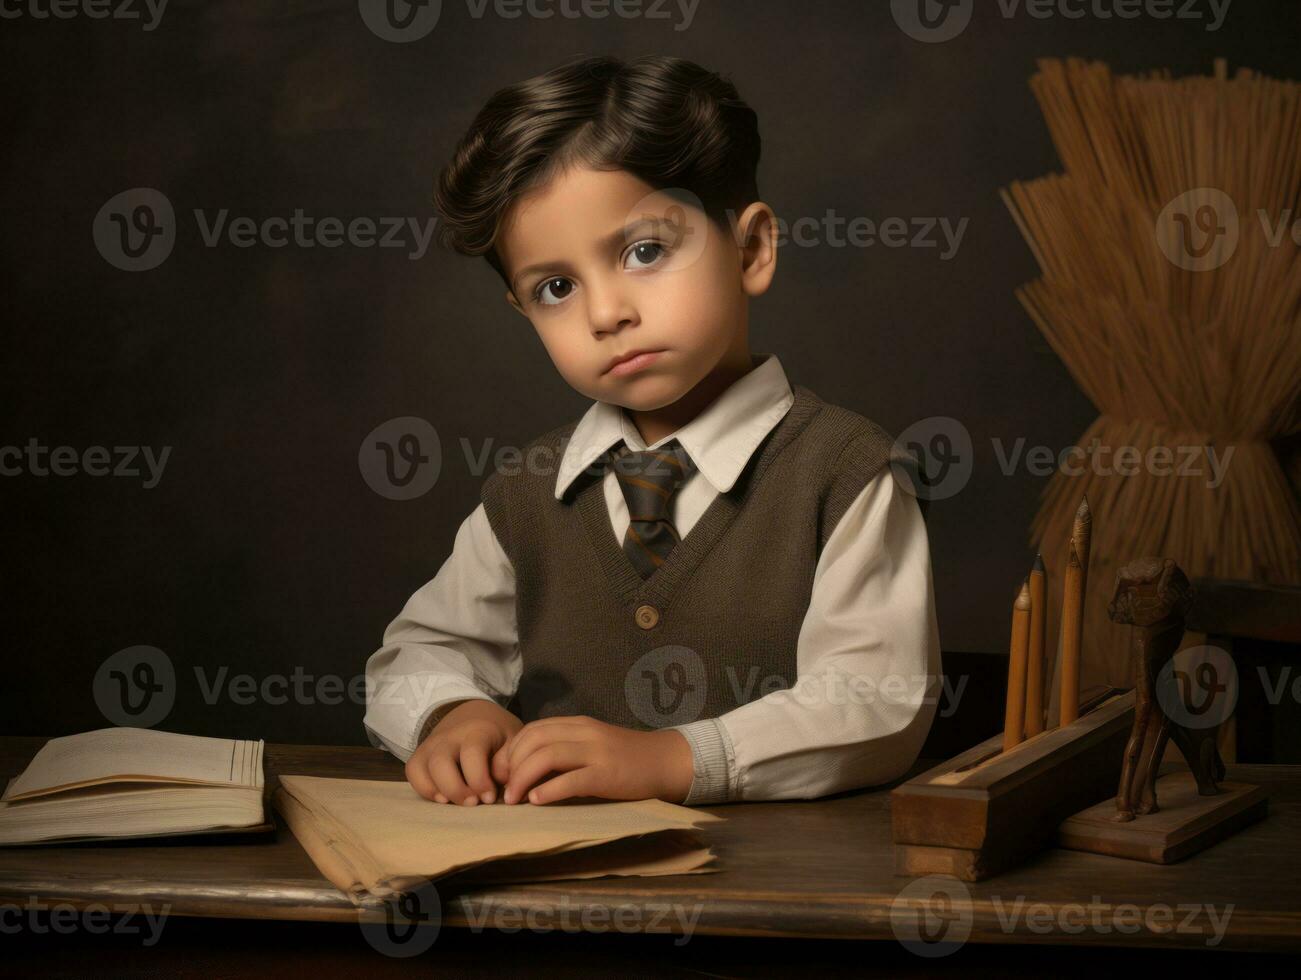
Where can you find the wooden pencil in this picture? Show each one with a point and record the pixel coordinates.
(1072, 633)
(1014, 715)
(1082, 537)
(1034, 673)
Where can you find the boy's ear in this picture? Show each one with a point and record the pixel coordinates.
(510, 298)
(756, 231)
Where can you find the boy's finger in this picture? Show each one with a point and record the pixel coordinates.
(419, 776)
(474, 767)
(447, 775)
(500, 765)
(576, 782)
(556, 757)
(530, 740)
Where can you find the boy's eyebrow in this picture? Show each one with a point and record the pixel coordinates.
(614, 238)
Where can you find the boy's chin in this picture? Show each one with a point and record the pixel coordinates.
(645, 396)
(643, 393)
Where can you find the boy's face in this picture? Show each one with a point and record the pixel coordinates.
(602, 264)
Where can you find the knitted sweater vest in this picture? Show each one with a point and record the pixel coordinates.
(716, 625)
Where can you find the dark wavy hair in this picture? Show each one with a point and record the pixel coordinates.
(666, 120)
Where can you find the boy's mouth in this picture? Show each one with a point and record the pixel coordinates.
(632, 361)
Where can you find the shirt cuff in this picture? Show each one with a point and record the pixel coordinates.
(712, 761)
(402, 725)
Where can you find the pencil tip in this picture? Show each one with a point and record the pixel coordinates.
(1038, 562)
(1083, 512)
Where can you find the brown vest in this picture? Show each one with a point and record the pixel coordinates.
(716, 625)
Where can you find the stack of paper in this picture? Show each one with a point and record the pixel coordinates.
(377, 839)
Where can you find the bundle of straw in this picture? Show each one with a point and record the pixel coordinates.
(1204, 355)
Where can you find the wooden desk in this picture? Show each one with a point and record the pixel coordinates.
(819, 869)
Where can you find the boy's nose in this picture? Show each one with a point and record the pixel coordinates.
(609, 309)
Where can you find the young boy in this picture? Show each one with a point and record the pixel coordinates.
(709, 588)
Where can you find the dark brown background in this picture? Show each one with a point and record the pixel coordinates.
(262, 549)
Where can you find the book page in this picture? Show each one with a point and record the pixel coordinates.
(138, 755)
(136, 810)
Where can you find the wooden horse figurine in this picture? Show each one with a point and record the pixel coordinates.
(1152, 596)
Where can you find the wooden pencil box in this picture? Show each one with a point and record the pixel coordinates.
(987, 810)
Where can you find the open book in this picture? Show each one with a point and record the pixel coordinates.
(374, 839)
(117, 783)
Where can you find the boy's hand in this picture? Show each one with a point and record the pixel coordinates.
(452, 762)
(593, 758)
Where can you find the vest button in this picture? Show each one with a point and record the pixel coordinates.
(646, 617)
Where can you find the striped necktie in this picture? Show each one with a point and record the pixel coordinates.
(649, 479)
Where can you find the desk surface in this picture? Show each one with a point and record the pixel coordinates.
(822, 868)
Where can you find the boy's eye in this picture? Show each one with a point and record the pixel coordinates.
(563, 288)
(642, 255)
(645, 254)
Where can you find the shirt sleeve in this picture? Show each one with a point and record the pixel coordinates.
(868, 666)
(456, 638)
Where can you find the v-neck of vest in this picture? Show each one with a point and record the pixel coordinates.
(663, 583)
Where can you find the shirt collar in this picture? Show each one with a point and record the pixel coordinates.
(720, 440)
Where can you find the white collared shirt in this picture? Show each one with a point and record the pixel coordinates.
(867, 658)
